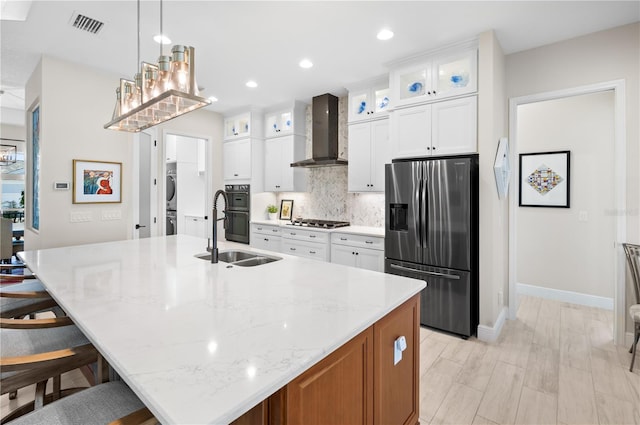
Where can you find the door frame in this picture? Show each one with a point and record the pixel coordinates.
(208, 172)
(135, 181)
(620, 188)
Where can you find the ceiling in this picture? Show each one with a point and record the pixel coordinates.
(264, 40)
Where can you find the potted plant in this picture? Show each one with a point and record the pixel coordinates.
(273, 211)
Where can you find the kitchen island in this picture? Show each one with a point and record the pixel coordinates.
(205, 343)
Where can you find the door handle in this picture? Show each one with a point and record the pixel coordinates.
(139, 226)
(409, 269)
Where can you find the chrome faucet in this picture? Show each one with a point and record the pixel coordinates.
(214, 249)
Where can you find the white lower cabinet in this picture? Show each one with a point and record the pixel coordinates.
(306, 243)
(264, 236)
(195, 226)
(365, 252)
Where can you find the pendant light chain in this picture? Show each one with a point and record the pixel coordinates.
(138, 61)
(161, 32)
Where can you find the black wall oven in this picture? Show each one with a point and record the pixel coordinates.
(238, 213)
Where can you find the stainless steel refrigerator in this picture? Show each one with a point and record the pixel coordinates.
(431, 233)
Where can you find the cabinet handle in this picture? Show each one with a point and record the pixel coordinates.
(368, 241)
(235, 175)
(312, 236)
(292, 234)
(312, 252)
(274, 230)
(343, 239)
(259, 228)
(292, 249)
(267, 240)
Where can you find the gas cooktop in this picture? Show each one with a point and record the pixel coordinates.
(311, 222)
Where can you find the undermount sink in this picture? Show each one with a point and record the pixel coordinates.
(241, 258)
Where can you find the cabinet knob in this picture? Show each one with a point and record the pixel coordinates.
(292, 234)
(274, 230)
(312, 252)
(428, 148)
(368, 241)
(267, 240)
(353, 253)
(235, 175)
(356, 253)
(292, 249)
(433, 148)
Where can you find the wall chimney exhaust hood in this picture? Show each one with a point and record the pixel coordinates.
(324, 136)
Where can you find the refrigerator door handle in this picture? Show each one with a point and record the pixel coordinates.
(409, 269)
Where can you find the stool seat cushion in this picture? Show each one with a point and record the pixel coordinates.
(101, 404)
(21, 342)
(7, 304)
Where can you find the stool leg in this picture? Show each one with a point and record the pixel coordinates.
(634, 346)
(637, 336)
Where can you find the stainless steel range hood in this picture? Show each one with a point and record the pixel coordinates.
(324, 136)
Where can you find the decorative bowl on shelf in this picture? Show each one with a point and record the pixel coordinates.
(415, 88)
(384, 102)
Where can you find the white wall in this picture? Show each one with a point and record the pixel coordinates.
(494, 223)
(75, 103)
(594, 58)
(556, 248)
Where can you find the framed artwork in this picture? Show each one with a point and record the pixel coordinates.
(544, 179)
(96, 182)
(286, 209)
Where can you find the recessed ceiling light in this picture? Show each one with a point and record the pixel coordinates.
(252, 84)
(305, 63)
(159, 38)
(385, 34)
(213, 98)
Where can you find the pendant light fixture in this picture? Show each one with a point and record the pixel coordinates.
(159, 92)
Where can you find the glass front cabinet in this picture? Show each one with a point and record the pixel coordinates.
(434, 77)
(369, 100)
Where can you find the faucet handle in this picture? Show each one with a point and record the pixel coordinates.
(208, 244)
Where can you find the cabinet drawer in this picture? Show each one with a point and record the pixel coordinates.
(266, 242)
(266, 229)
(305, 235)
(317, 251)
(362, 241)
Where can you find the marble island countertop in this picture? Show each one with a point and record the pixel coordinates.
(201, 342)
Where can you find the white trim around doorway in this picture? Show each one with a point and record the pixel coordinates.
(618, 87)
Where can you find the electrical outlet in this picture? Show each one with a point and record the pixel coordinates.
(500, 298)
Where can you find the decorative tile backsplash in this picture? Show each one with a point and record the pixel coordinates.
(327, 197)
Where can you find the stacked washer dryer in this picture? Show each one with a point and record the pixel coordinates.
(172, 199)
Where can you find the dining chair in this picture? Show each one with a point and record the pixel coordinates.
(35, 350)
(633, 260)
(109, 403)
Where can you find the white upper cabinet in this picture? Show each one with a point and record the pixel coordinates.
(440, 128)
(436, 76)
(285, 120)
(243, 149)
(369, 100)
(279, 153)
(369, 151)
(245, 124)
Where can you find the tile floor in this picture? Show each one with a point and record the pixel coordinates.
(555, 364)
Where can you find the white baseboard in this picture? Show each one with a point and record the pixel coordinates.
(491, 334)
(565, 296)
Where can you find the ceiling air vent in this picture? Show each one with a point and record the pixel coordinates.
(86, 23)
